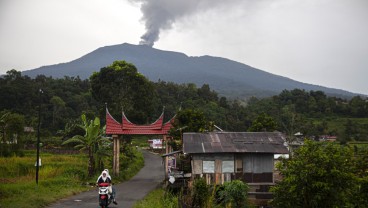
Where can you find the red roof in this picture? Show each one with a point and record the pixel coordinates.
(127, 127)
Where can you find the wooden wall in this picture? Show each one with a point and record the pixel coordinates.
(220, 167)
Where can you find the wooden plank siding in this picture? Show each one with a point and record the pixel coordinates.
(247, 156)
(248, 167)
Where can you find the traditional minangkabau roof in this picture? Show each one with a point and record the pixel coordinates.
(234, 142)
(128, 128)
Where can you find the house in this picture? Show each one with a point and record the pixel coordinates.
(226, 156)
(155, 143)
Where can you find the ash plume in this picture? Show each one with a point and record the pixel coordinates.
(161, 14)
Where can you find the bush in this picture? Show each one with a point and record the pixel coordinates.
(234, 194)
(201, 193)
(131, 161)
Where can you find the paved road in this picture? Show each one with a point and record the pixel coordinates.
(127, 193)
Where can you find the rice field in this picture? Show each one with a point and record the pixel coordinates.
(59, 176)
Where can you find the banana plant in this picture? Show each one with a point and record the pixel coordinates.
(90, 141)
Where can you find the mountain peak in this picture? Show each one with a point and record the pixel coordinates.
(229, 78)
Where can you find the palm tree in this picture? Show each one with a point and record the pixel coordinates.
(89, 141)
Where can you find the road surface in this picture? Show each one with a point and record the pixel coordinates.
(127, 193)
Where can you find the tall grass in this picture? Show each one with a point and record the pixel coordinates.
(59, 176)
(127, 168)
(18, 186)
(158, 199)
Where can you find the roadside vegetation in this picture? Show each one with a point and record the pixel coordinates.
(323, 174)
(59, 176)
(158, 199)
(201, 195)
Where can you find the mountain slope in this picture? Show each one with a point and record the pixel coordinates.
(227, 77)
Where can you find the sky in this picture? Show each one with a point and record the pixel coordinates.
(321, 42)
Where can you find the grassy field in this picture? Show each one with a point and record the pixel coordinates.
(59, 176)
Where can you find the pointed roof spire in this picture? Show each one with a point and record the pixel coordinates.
(127, 127)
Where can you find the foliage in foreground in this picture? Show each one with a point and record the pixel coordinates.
(323, 174)
(230, 194)
(131, 161)
(59, 176)
(158, 199)
(234, 194)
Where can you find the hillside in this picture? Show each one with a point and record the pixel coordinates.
(229, 78)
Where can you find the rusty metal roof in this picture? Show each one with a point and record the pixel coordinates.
(232, 142)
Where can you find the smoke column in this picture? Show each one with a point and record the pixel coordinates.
(161, 14)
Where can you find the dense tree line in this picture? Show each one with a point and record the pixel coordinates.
(122, 87)
(312, 112)
(61, 99)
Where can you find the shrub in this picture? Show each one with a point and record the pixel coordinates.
(200, 193)
(234, 194)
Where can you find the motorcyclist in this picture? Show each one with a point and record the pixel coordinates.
(106, 178)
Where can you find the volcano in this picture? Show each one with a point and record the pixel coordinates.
(229, 78)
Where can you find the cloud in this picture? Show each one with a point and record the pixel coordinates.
(160, 15)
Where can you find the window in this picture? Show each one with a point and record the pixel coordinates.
(208, 166)
(227, 166)
(239, 165)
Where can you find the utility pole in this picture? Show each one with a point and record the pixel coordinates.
(38, 136)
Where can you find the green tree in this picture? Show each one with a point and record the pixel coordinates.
(188, 120)
(263, 122)
(361, 172)
(11, 131)
(206, 94)
(90, 141)
(358, 107)
(3, 125)
(72, 128)
(319, 175)
(321, 106)
(58, 107)
(350, 131)
(120, 85)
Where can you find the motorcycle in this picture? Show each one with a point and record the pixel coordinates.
(104, 197)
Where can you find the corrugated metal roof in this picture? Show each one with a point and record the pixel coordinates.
(253, 142)
(171, 153)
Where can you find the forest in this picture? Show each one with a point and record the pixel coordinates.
(59, 103)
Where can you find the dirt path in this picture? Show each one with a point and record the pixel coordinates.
(127, 193)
